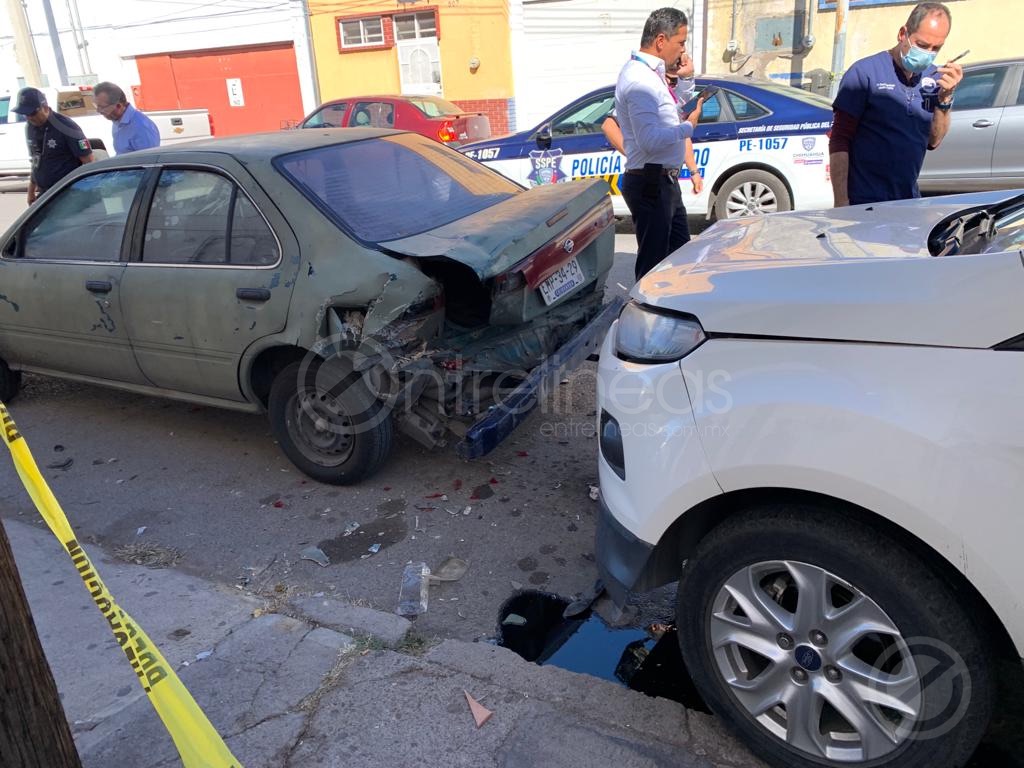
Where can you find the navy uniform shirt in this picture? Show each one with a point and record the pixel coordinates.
(887, 151)
(55, 148)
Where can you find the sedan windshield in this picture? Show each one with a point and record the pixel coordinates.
(394, 186)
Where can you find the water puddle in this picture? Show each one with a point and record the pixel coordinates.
(645, 660)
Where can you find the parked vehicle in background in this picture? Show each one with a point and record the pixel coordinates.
(177, 125)
(984, 148)
(812, 422)
(433, 296)
(761, 147)
(428, 116)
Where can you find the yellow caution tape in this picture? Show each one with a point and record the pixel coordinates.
(198, 742)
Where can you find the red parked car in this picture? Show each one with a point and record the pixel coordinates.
(427, 115)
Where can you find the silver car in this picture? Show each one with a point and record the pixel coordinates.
(982, 150)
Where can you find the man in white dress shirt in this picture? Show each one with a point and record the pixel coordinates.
(654, 139)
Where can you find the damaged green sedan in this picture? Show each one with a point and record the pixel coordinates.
(349, 283)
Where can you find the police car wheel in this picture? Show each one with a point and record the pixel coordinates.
(10, 382)
(751, 193)
(825, 644)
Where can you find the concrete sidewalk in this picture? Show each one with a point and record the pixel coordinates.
(316, 682)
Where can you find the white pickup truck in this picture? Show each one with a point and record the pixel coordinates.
(77, 103)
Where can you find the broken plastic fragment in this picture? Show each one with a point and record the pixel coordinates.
(203, 655)
(374, 548)
(350, 528)
(595, 492)
(467, 510)
(141, 530)
(317, 555)
(452, 569)
(481, 714)
(514, 620)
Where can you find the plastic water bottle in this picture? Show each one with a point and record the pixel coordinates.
(414, 590)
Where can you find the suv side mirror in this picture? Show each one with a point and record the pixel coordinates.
(544, 137)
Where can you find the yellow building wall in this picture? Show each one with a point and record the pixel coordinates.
(976, 26)
(468, 29)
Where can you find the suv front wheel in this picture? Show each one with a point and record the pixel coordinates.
(824, 643)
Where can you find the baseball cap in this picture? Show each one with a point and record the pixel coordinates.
(29, 100)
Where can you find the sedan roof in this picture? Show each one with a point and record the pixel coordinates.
(259, 146)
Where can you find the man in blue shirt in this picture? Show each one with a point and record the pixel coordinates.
(890, 109)
(132, 129)
(654, 139)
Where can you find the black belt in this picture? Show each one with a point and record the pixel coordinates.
(672, 173)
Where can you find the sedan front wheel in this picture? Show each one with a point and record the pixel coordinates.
(823, 643)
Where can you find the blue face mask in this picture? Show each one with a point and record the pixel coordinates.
(916, 60)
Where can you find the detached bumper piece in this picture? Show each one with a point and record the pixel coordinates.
(485, 435)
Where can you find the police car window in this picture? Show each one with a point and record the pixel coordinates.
(5, 108)
(744, 109)
(330, 116)
(584, 119)
(712, 110)
(979, 88)
(188, 219)
(86, 221)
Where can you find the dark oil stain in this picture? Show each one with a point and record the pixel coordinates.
(482, 492)
(384, 531)
(547, 549)
(560, 560)
(527, 564)
(391, 506)
(539, 577)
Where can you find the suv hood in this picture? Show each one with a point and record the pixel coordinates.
(862, 273)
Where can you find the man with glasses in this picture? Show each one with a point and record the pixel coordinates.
(132, 129)
(55, 142)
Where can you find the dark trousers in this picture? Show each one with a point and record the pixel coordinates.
(659, 217)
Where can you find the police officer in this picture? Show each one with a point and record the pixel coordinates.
(55, 142)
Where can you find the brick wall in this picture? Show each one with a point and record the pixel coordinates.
(497, 111)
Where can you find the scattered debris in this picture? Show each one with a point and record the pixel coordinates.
(441, 496)
(514, 620)
(595, 492)
(149, 554)
(66, 464)
(317, 555)
(203, 655)
(452, 569)
(414, 591)
(141, 530)
(482, 492)
(467, 510)
(374, 548)
(481, 714)
(279, 504)
(350, 528)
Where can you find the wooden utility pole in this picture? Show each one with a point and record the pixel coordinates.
(24, 48)
(34, 731)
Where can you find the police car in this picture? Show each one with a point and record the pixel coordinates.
(760, 147)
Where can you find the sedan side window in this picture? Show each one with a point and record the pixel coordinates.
(377, 114)
(198, 217)
(331, 116)
(1020, 94)
(979, 88)
(86, 221)
(744, 109)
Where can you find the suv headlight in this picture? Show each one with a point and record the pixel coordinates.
(647, 336)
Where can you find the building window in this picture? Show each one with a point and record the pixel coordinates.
(416, 25)
(356, 33)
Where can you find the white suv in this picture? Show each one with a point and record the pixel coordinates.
(816, 423)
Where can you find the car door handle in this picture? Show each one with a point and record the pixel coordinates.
(253, 294)
(712, 136)
(98, 286)
(983, 123)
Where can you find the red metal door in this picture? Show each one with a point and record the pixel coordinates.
(246, 89)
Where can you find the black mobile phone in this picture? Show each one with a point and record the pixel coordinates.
(708, 93)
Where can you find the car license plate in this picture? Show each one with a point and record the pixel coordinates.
(568, 278)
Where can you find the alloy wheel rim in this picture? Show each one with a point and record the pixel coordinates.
(815, 661)
(751, 197)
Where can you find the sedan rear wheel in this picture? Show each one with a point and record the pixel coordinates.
(825, 644)
(330, 426)
(750, 193)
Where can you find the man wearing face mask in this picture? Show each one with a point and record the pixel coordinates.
(890, 109)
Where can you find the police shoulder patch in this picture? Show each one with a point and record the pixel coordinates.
(84, 144)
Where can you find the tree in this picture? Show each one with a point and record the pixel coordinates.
(34, 731)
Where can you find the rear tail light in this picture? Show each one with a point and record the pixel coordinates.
(446, 133)
(209, 118)
(508, 282)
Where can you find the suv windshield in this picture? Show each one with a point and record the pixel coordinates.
(393, 186)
